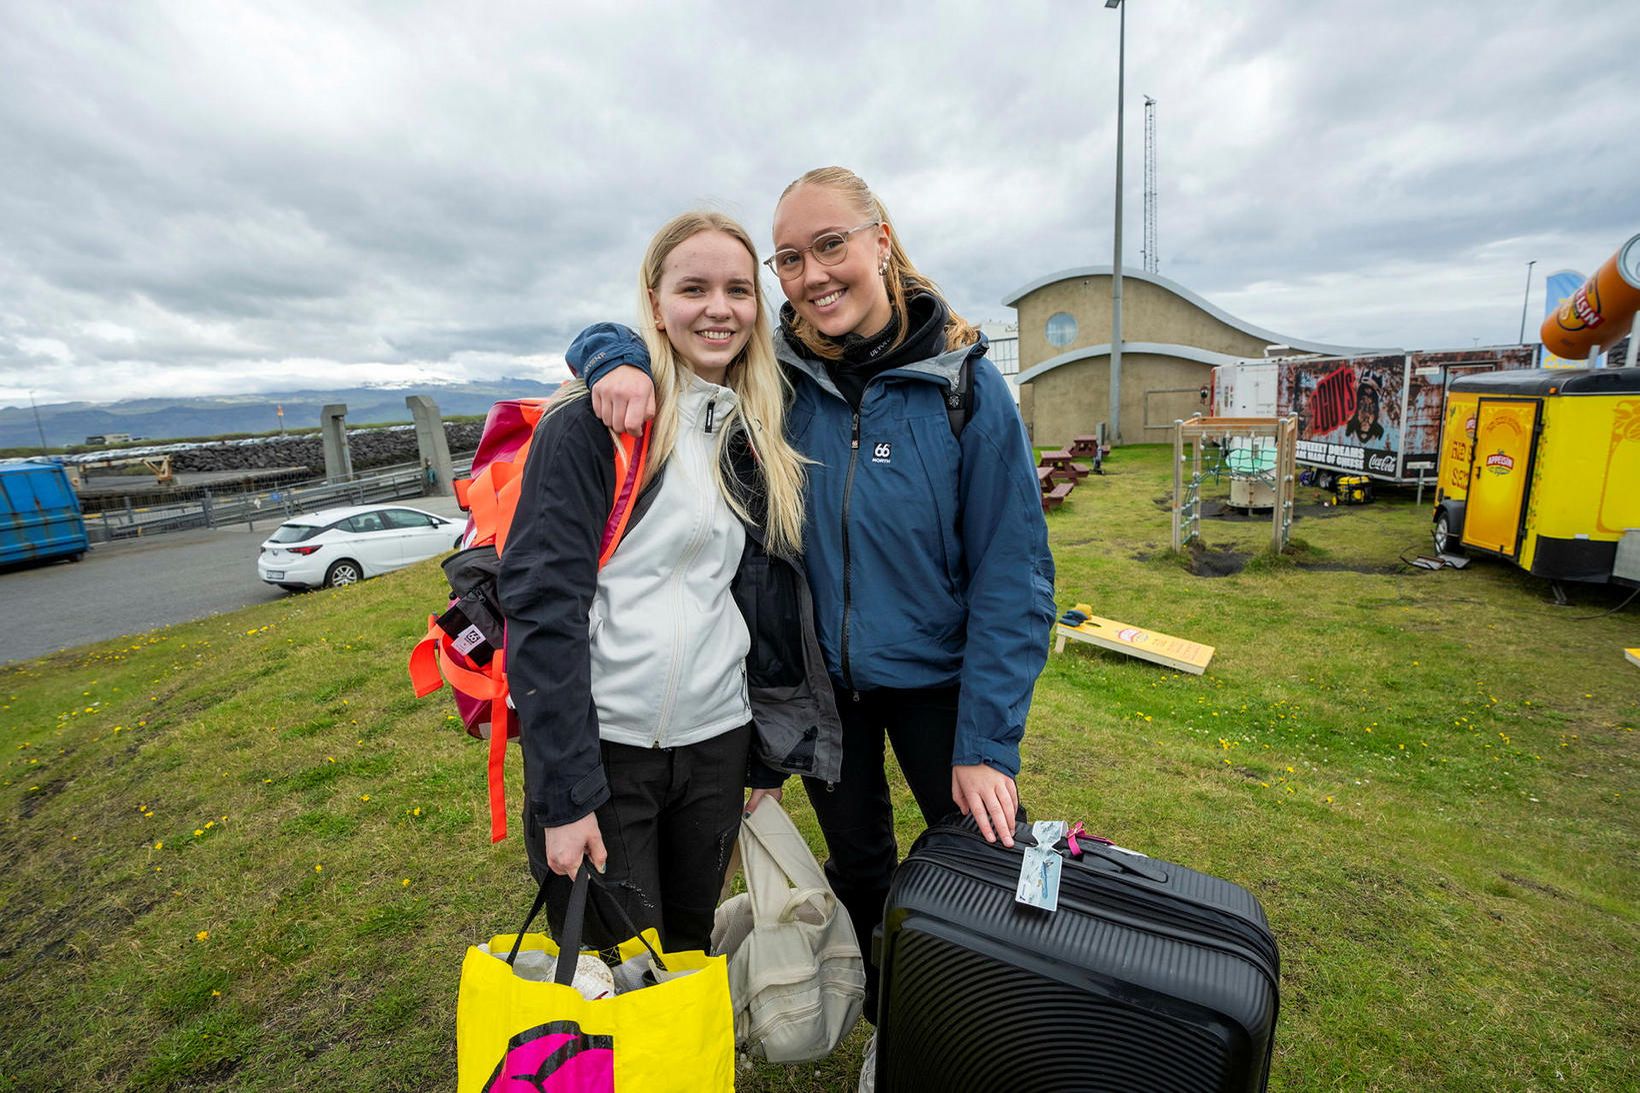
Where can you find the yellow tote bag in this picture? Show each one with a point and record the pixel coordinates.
(520, 1036)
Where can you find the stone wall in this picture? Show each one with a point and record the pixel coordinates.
(370, 448)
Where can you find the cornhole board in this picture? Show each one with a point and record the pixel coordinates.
(1136, 641)
(1633, 656)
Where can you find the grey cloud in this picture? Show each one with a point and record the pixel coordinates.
(430, 188)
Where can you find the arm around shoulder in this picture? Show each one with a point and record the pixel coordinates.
(602, 347)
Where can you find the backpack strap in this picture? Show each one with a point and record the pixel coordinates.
(631, 456)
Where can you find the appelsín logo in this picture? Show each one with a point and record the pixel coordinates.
(883, 453)
(1500, 463)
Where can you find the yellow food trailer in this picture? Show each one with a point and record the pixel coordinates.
(1542, 467)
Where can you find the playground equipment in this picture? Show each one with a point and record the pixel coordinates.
(1542, 468)
(1259, 450)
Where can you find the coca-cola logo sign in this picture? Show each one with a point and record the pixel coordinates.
(1382, 464)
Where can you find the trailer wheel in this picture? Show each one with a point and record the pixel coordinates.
(1445, 541)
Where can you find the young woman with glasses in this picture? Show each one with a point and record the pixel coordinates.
(925, 543)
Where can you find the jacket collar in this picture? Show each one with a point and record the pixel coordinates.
(944, 369)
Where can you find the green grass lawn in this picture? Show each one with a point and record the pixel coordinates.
(241, 855)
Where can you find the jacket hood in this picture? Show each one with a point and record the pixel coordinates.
(944, 369)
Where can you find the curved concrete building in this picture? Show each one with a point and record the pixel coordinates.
(1171, 339)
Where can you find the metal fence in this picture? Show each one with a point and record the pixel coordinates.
(219, 508)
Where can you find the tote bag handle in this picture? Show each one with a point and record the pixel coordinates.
(781, 873)
(575, 921)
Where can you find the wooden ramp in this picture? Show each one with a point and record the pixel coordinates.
(1136, 641)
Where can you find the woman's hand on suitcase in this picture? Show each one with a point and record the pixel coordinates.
(990, 797)
(624, 399)
(567, 845)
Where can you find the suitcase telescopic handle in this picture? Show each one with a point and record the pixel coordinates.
(1125, 862)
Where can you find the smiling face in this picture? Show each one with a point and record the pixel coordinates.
(850, 297)
(706, 302)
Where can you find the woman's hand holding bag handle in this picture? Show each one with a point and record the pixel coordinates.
(514, 1034)
(795, 972)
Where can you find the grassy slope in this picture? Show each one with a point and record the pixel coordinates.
(1427, 778)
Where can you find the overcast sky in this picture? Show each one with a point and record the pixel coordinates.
(212, 198)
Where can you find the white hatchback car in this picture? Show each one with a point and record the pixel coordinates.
(339, 546)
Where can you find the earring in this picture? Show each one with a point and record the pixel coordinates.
(883, 269)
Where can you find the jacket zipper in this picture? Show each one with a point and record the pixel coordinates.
(685, 559)
(848, 495)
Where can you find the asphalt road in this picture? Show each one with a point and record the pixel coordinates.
(137, 584)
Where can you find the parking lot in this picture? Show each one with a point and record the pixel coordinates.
(135, 585)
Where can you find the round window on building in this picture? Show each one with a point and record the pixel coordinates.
(1061, 329)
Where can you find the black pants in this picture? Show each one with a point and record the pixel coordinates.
(856, 814)
(669, 826)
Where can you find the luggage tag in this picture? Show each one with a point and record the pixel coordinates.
(1039, 872)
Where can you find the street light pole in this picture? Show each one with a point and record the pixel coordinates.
(1526, 299)
(44, 449)
(1116, 259)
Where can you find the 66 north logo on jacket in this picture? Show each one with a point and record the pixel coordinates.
(883, 452)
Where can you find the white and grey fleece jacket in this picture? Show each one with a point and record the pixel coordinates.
(651, 650)
(668, 644)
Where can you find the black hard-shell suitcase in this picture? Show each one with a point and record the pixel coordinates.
(1148, 977)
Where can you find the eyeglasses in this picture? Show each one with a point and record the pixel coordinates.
(828, 249)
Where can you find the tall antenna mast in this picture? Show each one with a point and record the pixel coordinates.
(1151, 261)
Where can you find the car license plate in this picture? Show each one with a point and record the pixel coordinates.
(276, 574)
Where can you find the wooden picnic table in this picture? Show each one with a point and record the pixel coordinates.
(1063, 464)
(1044, 478)
(1084, 445)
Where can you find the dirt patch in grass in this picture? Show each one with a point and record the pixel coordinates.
(1210, 561)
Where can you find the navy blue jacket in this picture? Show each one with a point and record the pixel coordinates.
(927, 555)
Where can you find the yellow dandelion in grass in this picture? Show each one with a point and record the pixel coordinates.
(406, 882)
(198, 831)
(209, 824)
(1329, 799)
(160, 845)
(364, 796)
(1290, 770)
(267, 781)
(318, 869)
(216, 994)
(330, 758)
(202, 935)
(417, 810)
(1369, 728)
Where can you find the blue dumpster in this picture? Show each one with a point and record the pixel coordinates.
(39, 513)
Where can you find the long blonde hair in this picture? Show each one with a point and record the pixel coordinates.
(760, 387)
(902, 279)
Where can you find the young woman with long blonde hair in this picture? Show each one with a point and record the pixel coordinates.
(638, 683)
